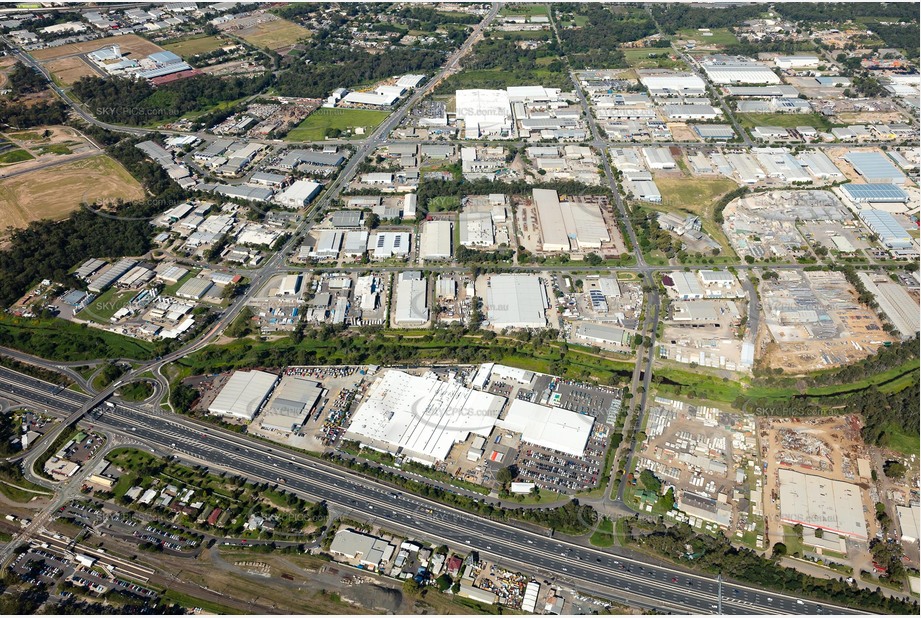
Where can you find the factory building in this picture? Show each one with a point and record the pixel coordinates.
(569, 226)
(659, 158)
(724, 70)
(370, 551)
(668, 83)
(909, 522)
(553, 428)
(390, 244)
(291, 404)
(412, 299)
(243, 395)
(299, 194)
(477, 229)
(437, 238)
(874, 193)
(796, 62)
(890, 233)
(603, 334)
(820, 166)
(875, 167)
(817, 502)
(516, 301)
(421, 418)
(485, 113)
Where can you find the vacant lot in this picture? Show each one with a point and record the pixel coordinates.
(69, 70)
(131, 45)
(721, 37)
(640, 59)
(788, 121)
(524, 9)
(54, 192)
(275, 35)
(315, 126)
(195, 45)
(699, 196)
(14, 156)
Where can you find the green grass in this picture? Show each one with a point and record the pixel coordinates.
(190, 602)
(639, 59)
(315, 126)
(58, 149)
(56, 339)
(136, 391)
(15, 156)
(195, 45)
(524, 9)
(497, 78)
(444, 202)
(907, 444)
(172, 288)
(698, 196)
(721, 36)
(604, 534)
(106, 305)
(787, 121)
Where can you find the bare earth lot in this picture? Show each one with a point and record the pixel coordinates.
(56, 191)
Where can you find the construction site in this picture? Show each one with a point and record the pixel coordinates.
(814, 321)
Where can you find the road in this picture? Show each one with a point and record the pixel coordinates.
(616, 574)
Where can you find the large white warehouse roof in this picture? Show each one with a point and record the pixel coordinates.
(422, 417)
(516, 301)
(818, 502)
(243, 394)
(553, 428)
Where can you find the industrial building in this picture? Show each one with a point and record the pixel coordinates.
(243, 395)
(485, 113)
(437, 239)
(291, 404)
(909, 522)
(875, 167)
(390, 244)
(724, 70)
(874, 193)
(553, 428)
(569, 226)
(382, 96)
(820, 166)
(890, 233)
(516, 301)
(796, 62)
(195, 288)
(659, 158)
(817, 502)
(421, 418)
(669, 83)
(895, 301)
(603, 334)
(412, 306)
(477, 229)
(299, 194)
(369, 550)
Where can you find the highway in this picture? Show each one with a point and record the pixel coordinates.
(635, 581)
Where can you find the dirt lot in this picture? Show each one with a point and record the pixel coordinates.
(70, 70)
(265, 30)
(54, 192)
(6, 65)
(131, 45)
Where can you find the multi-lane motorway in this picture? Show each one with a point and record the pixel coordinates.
(612, 574)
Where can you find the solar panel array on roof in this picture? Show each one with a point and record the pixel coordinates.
(875, 192)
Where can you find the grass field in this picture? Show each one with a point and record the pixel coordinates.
(105, 305)
(721, 36)
(315, 126)
(66, 71)
(604, 534)
(639, 59)
(15, 156)
(524, 9)
(195, 45)
(788, 121)
(274, 34)
(497, 78)
(57, 339)
(699, 196)
(444, 202)
(55, 192)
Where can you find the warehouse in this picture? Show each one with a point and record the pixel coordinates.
(765, 92)
(887, 229)
(553, 428)
(898, 305)
(421, 418)
(796, 62)
(484, 113)
(603, 334)
(659, 158)
(412, 306)
(194, 289)
(714, 131)
(290, 285)
(243, 395)
(684, 285)
(701, 313)
(108, 276)
(294, 158)
(390, 244)
(817, 502)
(477, 229)
(778, 163)
(725, 70)
(875, 167)
(370, 551)
(328, 245)
(355, 243)
(646, 190)
(820, 166)
(691, 112)
(516, 301)
(299, 194)
(569, 226)
(667, 83)
(437, 237)
(291, 404)
(383, 96)
(243, 192)
(874, 193)
(909, 522)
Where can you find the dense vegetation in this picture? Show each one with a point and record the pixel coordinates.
(899, 36)
(136, 102)
(596, 44)
(716, 554)
(840, 12)
(678, 16)
(18, 115)
(25, 80)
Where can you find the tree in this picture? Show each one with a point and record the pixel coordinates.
(593, 259)
(894, 469)
(411, 587)
(819, 533)
(372, 221)
(779, 550)
(650, 481)
(506, 475)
